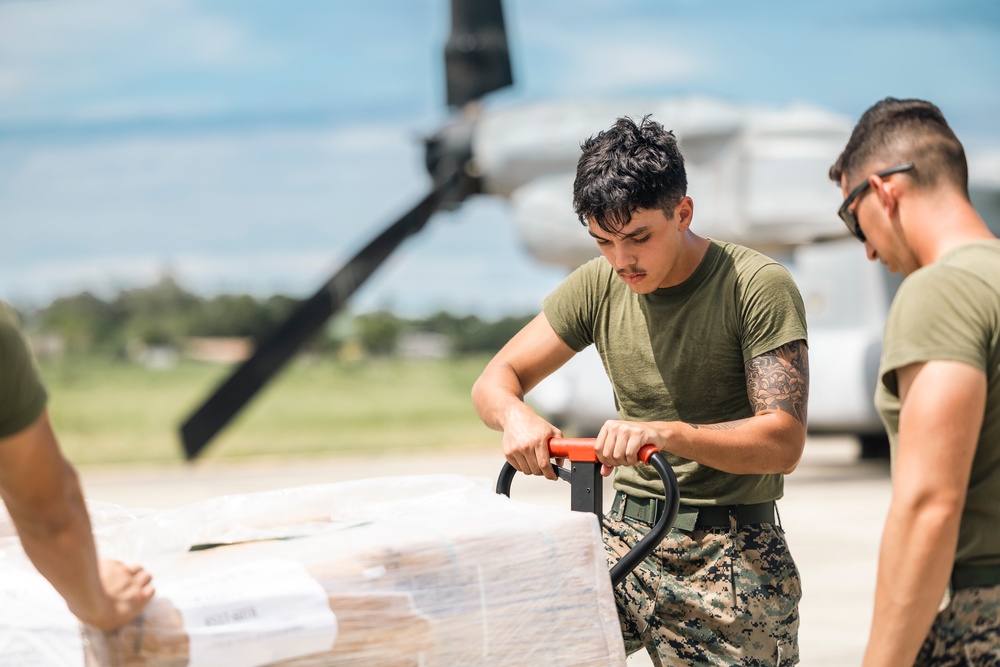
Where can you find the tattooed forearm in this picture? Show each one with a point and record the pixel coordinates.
(722, 426)
(779, 380)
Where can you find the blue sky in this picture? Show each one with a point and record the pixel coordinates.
(250, 146)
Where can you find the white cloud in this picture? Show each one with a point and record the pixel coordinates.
(466, 262)
(271, 212)
(10, 80)
(637, 63)
(240, 190)
(152, 106)
(68, 27)
(626, 53)
(161, 30)
(58, 56)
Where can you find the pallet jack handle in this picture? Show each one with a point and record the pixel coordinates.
(587, 494)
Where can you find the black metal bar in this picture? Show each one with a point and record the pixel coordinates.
(507, 473)
(652, 539)
(586, 487)
(587, 496)
(477, 58)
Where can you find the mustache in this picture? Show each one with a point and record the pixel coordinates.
(629, 271)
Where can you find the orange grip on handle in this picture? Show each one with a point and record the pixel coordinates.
(582, 449)
(646, 451)
(574, 449)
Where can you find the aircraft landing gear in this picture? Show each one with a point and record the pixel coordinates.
(874, 446)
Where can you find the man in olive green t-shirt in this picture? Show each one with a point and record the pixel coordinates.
(704, 344)
(43, 496)
(905, 180)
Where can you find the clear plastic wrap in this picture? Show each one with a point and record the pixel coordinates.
(387, 572)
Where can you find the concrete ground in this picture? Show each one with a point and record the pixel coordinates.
(832, 513)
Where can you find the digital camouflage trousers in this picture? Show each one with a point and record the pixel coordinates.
(966, 633)
(709, 597)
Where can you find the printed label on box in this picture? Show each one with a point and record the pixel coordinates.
(253, 614)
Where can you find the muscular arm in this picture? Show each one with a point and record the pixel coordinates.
(939, 423)
(531, 355)
(769, 442)
(43, 496)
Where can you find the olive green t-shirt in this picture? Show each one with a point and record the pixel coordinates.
(950, 310)
(22, 395)
(679, 353)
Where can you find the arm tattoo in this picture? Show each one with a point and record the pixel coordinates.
(722, 426)
(779, 380)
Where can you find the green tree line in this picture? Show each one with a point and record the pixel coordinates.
(165, 315)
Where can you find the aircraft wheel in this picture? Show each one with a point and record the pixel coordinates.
(874, 446)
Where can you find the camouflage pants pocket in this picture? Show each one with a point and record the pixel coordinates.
(787, 654)
(768, 591)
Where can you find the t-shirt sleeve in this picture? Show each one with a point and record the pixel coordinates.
(935, 315)
(571, 308)
(22, 395)
(773, 311)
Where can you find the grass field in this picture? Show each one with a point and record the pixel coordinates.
(110, 413)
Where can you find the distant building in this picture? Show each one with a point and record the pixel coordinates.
(218, 350)
(156, 356)
(47, 346)
(423, 345)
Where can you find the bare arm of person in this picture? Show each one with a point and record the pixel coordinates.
(532, 354)
(769, 442)
(43, 496)
(939, 424)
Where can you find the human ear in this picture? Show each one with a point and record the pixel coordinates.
(684, 213)
(886, 194)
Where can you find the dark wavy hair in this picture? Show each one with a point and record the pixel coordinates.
(893, 132)
(628, 167)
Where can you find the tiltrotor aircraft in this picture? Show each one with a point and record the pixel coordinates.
(757, 176)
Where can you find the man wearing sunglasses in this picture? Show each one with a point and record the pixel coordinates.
(905, 180)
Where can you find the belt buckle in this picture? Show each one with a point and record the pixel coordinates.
(647, 510)
(651, 510)
(657, 510)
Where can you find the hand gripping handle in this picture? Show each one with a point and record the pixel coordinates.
(582, 450)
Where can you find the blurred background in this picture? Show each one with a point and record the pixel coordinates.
(174, 175)
(248, 146)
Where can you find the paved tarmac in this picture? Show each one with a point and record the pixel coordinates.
(832, 513)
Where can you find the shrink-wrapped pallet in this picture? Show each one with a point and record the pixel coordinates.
(393, 572)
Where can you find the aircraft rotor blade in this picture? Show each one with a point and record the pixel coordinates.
(477, 58)
(273, 352)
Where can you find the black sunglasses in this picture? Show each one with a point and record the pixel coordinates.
(848, 216)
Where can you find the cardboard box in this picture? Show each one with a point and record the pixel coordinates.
(387, 572)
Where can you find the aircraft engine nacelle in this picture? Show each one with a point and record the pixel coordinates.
(757, 176)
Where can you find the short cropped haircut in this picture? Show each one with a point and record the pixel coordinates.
(894, 132)
(627, 167)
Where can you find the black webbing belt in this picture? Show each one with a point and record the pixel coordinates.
(690, 517)
(975, 576)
